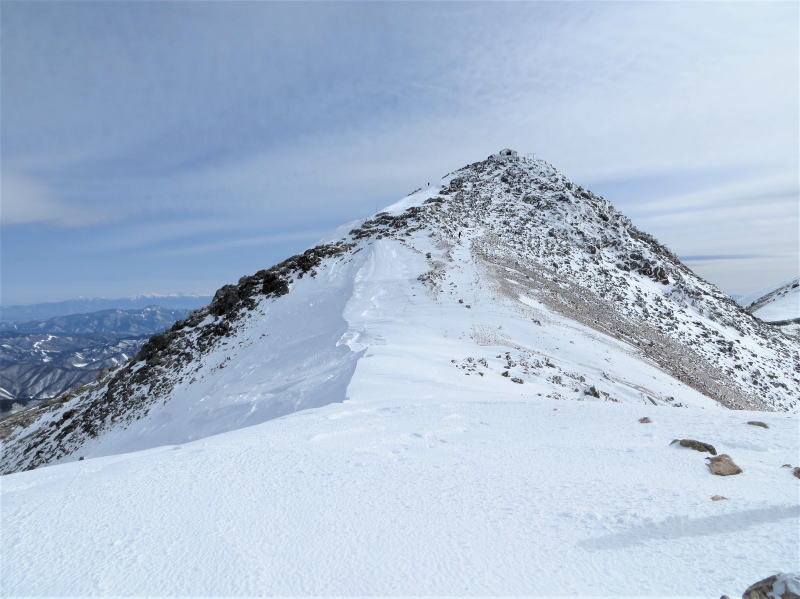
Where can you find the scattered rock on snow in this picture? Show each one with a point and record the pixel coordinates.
(592, 391)
(783, 586)
(696, 445)
(758, 423)
(645, 420)
(723, 465)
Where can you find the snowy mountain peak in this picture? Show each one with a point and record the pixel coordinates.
(505, 279)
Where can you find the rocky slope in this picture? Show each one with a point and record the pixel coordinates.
(546, 286)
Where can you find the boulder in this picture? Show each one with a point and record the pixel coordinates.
(723, 465)
(782, 586)
(696, 445)
(645, 420)
(274, 285)
(758, 423)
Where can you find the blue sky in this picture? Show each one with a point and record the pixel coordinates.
(161, 147)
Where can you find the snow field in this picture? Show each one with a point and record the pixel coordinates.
(428, 497)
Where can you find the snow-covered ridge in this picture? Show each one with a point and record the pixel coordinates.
(778, 305)
(515, 280)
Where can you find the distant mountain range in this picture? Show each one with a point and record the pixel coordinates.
(49, 310)
(42, 359)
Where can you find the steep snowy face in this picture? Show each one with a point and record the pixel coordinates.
(504, 282)
(780, 305)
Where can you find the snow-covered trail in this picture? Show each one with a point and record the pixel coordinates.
(446, 496)
(420, 343)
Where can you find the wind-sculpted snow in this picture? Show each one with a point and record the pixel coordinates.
(469, 491)
(504, 278)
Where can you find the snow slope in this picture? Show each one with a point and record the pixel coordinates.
(779, 304)
(464, 494)
(445, 401)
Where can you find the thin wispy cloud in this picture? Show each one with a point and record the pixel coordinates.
(247, 242)
(26, 200)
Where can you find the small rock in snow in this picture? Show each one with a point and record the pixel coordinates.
(645, 420)
(718, 498)
(592, 391)
(723, 465)
(757, 423)
(785, 586)
(696, 445)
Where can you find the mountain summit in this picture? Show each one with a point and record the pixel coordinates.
(518, 277)
(496, 386)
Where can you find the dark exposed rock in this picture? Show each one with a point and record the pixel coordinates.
(225, 300)
(696, 445)
(645, 420)
(274, 285)
(592, 391)
(758, 423)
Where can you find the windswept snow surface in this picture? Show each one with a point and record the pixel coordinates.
(464, 494)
